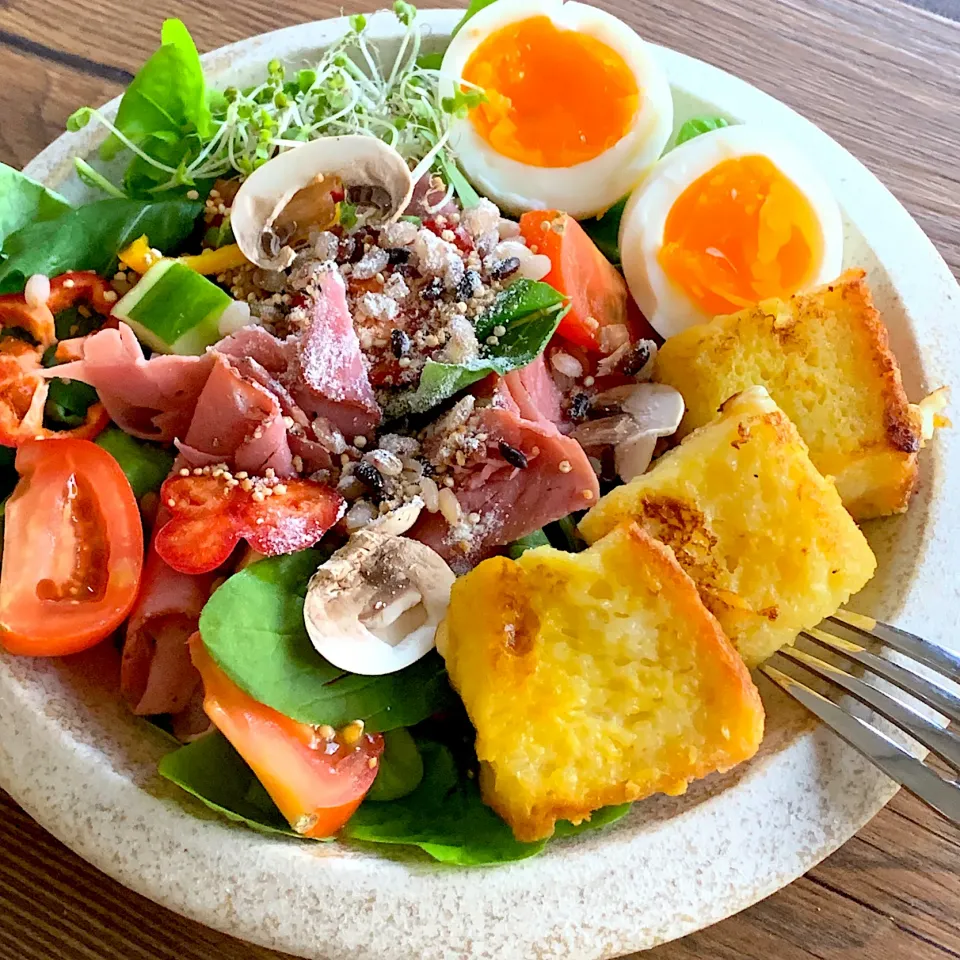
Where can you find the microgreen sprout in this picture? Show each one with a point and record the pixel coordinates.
(349, 91)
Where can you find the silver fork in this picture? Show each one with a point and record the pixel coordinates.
(847, 635)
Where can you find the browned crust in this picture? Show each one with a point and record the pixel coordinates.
(901, 422)
(662, 567)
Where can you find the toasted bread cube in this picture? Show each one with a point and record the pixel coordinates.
(824, 357)
(593, 679)
(748, 516)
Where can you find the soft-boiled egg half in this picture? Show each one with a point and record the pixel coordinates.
(576, 109)
(727, 219)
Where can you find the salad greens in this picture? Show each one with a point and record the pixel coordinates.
(146, 465)
(401, 767)
(90, 237)
(519, 547)
(211, 770)
(444, 816)
(697, 125)
(529, 310)
(473, 8)
(253, 628)
(24, 201)
(604, 230)
(181, 134)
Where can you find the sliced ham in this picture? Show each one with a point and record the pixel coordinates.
(156, 675)
(535, 392)
(513, 502)
(329, 378)
(237, 422)
(151, 399)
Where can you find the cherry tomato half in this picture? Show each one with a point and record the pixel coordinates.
(72, 549)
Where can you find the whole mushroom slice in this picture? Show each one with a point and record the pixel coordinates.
(374, 607)
(279, 204)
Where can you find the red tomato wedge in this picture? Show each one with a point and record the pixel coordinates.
(72, 549)
(209, 517)
(317, 783)
(598, 294)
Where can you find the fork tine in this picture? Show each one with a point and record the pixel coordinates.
(924, 690)
(942, 742)
(923, 651)
(943, 795)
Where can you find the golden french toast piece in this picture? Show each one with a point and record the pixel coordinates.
(593, 679)
(824, 357)
(748, 516)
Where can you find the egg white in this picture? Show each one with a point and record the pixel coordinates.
(587, 188)
(666, 306)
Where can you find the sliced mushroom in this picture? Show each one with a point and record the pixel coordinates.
(280, 203)
(374, 607)
(648, 411)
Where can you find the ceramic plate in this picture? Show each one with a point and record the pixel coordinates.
(86, 769)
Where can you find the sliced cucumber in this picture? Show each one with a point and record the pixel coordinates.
(173, 309)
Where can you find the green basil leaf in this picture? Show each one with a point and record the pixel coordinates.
(211, 770)
(90, 237)
(24, 201)
(167, 98)
(145, 465)
(400, 769)
(697, 125)
(474, 7)
(529, 310)
(68, 402)
(519, 547)
(604, 231)
(600, 818)
(253, 629)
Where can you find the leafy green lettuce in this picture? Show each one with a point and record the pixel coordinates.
(24, 201)
(604, 230)
(474, 7)
(698, 125)
(528, 310)
(253, 629)
(211, 770)
(444, 816)
(146, 465)
(90, 237)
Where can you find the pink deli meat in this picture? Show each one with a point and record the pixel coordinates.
(237, 422)
(152, 399)
(156, 674)
(514, 502)
(330, 378)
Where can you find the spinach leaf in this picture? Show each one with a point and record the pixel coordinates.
(401, 767)
(444, 816)
(474, 7)
(430, 61)
(166, 101)
(90, 237)
(604, 231)
(146, 465)
(212, 770)
(519, 547)
(564, 535)
(24, 201)
(253, 629)
(697, 125)
(529, 310)
(468, 196)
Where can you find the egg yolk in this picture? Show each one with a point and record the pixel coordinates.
(555, 97)
(739, 234)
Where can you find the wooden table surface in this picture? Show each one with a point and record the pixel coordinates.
(883, 78)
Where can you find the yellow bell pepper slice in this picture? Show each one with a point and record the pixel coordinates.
(139, 256)
(216, 261)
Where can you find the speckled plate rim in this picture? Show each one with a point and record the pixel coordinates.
(83, 768)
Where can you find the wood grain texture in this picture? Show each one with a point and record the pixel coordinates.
(881, 77)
